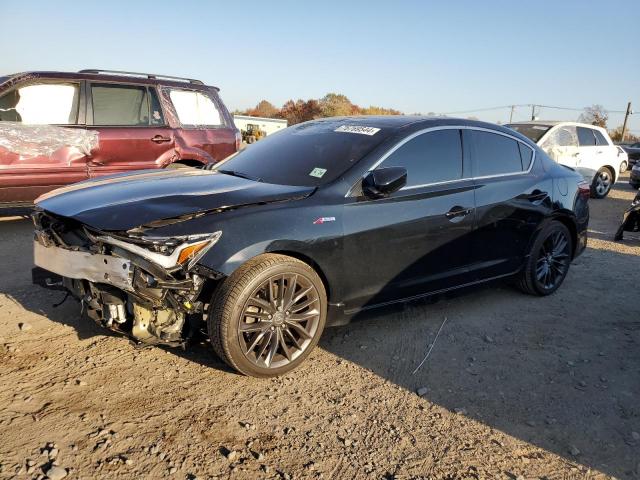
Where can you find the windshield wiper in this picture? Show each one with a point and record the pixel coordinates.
(241, 175)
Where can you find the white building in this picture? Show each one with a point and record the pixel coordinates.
(269, 125)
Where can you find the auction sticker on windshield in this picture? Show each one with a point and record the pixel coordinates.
(357, 129)
(318, 172)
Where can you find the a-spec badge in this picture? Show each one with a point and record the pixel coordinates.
(322, 220)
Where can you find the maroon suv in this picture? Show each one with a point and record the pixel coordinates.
(111, 121)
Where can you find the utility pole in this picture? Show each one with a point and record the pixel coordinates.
(513, 107)
(624, 125)
(533, 112)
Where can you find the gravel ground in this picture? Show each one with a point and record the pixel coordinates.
(516, 387)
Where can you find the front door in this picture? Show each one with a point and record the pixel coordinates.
(416, 240)
(131, 126)
(561, 144)
(38, 158)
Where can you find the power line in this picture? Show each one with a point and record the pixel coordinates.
(524, 105)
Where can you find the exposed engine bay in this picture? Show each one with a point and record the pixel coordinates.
(146, 287)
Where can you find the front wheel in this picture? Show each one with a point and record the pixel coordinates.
(548, 262)
(268, 315)
(602, 183)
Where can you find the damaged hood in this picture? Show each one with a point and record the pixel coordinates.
(122, 202)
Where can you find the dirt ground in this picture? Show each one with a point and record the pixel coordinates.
(517, 387)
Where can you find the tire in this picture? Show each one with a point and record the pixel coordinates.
(259, 293)
(602, 183)
(542, 259)
(624, 166)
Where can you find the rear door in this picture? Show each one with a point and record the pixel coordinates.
(205, 130)
(416, 240)
(132, 129)
(30, 168)
(512, 197)
(561, 144)
(589, 159)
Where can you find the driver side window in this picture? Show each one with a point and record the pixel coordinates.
(431, 157)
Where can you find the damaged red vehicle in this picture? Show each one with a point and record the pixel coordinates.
(60, 128)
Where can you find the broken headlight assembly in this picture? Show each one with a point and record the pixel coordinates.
(168, 252)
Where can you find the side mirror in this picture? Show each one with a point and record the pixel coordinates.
(384, 181)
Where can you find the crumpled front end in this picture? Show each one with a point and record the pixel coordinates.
(144, 286)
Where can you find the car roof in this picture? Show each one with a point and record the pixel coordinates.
(553, 123)
(402, 121)
(94, 75)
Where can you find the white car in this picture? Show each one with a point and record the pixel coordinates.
(585, 148)
(624, 159)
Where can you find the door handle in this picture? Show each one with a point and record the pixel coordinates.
(457, 213)
(535, 197)
(95, 163)
(160, 139)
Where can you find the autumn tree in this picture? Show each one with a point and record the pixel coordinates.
(300, 111)
(616, 135)
(263, 109)
(373, 110)
(337, 105)
(595, 115)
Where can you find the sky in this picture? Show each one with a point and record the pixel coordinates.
(414, 56)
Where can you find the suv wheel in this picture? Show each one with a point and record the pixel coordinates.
(624, 166)
(602, 183)
(548, 262)
(268, 315)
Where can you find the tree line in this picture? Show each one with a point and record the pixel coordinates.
(338, 105)
(298, 111)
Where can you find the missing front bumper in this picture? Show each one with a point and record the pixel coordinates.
(93, 267)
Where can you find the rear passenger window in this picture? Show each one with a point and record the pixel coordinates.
(526, 155)
(600, 140)
(495, 154)
(120, 105)
(430, 158)
(585, 137)
(195, 108)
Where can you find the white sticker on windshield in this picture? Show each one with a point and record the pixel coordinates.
(536, 127)
(357, 129)
(318, 172)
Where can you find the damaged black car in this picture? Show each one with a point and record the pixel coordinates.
(308, 227)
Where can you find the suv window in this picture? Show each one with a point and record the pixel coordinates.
(585, 137)
(157, 118)
(41, 104)
(195, 108)
(119, 105)
(600, 140)
(429, 158)
(495, 154)
(562, 137)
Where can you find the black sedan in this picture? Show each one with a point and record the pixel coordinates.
(306, 228)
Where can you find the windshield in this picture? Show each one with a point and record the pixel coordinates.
(309, 154)
(532, 132)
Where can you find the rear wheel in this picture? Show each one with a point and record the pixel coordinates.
(602, 183)
(548, 262)
(624, 166)
(268, 315)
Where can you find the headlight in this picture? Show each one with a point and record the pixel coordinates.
(180, 251)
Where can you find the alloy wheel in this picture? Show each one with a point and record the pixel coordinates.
(279, 320)
(553, 260)
(603, 183)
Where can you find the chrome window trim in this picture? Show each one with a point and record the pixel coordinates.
(465, 179)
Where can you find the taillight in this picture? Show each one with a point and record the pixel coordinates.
(584, 190)
(238, 140)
